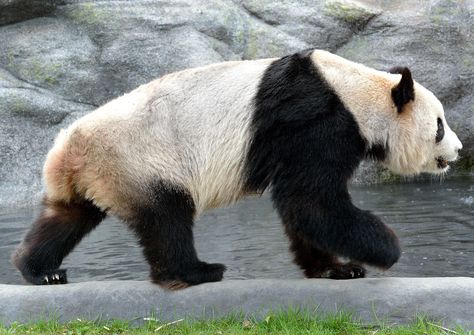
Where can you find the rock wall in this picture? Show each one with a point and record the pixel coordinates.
(60, 59)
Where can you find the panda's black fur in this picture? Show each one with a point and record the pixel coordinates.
(165, 232)
(295, 108)
(303, 146)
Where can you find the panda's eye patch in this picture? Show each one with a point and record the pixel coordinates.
(440, 131)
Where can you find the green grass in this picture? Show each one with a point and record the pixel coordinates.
(283, 323)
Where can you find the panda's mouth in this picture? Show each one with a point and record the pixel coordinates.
(442, 162)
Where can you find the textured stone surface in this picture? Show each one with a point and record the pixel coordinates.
(397, 300)
(17, 10)
(60, 59)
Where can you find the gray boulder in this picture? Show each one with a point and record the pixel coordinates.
(61, 59)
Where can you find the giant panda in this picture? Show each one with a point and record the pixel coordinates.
(298, 126)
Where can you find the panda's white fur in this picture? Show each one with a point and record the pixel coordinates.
(162, 154)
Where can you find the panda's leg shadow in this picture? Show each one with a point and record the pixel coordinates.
(164, 229)
(58, 229)
(317, 263)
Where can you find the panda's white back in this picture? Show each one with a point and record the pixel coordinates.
(161, 131)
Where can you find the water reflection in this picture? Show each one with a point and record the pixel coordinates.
(435, 223)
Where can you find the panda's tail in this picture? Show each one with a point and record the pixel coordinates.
(61, 167)
(64, 220)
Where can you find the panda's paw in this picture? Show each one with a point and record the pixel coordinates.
(199, 273)
(52, 277)
(205, 272)
(216, 268)
(346, 271)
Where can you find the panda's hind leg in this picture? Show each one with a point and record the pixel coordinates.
(164, 228)
(58, 229)
(317, 263)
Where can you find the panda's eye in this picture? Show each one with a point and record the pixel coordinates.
(440, 131)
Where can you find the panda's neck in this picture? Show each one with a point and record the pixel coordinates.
(364, 91)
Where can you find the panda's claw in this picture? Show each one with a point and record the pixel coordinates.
(52, 278)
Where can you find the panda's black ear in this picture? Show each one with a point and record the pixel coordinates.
(404, 91)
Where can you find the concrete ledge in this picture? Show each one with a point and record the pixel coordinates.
(450, 300)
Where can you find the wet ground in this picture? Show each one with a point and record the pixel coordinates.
(435, 223)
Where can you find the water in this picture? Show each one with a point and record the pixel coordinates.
(435, 223)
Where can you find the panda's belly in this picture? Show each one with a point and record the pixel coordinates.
(218, 161)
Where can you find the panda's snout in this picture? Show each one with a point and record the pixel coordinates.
(457, 148)
(451, 153)
(455, 145)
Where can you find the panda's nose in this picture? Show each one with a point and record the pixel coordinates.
(458, 148)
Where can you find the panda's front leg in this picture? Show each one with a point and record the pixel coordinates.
(331, 226)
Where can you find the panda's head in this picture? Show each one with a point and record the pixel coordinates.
(402, 122)
(420, 139)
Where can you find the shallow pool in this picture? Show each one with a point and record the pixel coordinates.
(435, 223)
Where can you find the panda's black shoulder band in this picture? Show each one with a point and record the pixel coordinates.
(301, 132)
